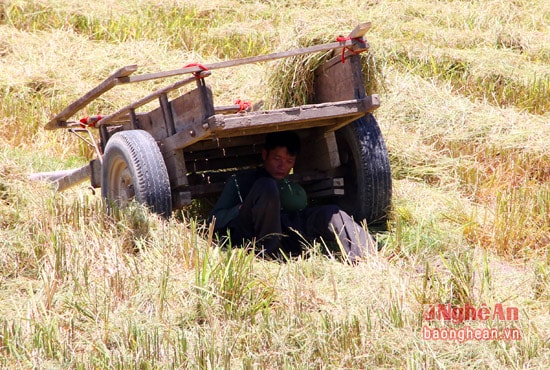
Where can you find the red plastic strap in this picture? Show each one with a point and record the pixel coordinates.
(196, 74)
(89, 121)
(243, 105)
(344, 39)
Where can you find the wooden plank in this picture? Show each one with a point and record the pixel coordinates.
(167, 114)
(153, 122)
(266, 127)
(215, 164)
(360, 30)
(64, 179)
(75, 177)
(326, 193)
(309, 176)
(305, 116)
(188, 110)
(60, 120)
(325, 184)
(227, 109)
(336, 81)
(226, 142)
(123, 111)
(175, 165)
(200, 190)
(206, 100)
(242, 61)
(50, 176)
(185, 137)
(319, 151)
(224, 152)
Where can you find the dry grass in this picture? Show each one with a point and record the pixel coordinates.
(464, 112)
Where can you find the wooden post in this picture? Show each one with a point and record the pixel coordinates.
(339, 81)
(167, 113)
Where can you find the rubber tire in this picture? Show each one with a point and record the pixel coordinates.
(134, 169)
(367, 179)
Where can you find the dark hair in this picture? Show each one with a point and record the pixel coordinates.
(286, 139)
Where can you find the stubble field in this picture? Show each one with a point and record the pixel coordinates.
(464, 89)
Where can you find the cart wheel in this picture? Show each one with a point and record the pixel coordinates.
(134, 169)
(367, 179)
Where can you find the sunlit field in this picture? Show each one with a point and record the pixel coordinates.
(464, 89)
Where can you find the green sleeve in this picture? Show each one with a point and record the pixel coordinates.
(227, 206)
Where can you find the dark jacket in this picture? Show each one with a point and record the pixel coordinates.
(293, 196)
(234, 192)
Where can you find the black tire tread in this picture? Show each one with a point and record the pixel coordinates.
(144, 159)
(372, 169)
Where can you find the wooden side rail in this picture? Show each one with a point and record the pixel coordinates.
(353, 42)
(317, 186)
(331, 115)
(60, 120)
(149, 98)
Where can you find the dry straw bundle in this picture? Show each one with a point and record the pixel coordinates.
(291, 81)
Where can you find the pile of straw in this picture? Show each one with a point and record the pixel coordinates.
(292, 79)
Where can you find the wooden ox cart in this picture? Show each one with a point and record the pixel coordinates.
(187, 147)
